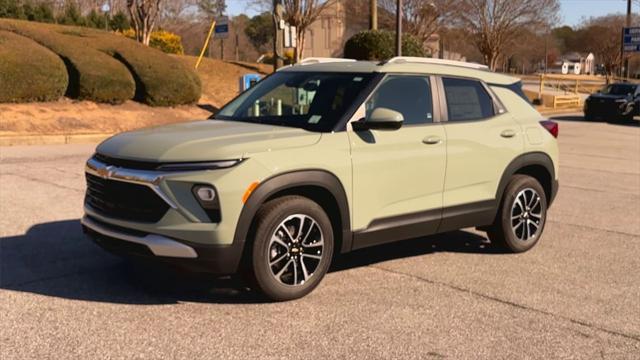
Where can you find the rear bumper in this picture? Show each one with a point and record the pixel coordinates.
(213, 259)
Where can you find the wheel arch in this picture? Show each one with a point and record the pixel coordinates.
(535, 164)
(320, 186)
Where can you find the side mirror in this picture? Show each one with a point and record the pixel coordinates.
(380, 119)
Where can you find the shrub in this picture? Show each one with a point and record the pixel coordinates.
(28, 71)
(105, 67)
(93, 75)
(161, 80)
(380, 45)
(162, 40)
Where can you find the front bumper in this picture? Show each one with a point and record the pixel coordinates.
(184, 235)
(213, 259)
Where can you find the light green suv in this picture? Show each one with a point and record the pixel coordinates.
(324, 158)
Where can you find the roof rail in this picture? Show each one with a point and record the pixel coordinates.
(318, 60)
(412, 59)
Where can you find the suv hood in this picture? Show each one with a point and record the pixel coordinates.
(207, 140)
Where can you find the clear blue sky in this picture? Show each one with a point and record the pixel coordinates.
(572, 11)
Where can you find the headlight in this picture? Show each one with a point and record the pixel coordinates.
(200, 165)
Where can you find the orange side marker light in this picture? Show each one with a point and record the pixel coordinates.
(249, 190)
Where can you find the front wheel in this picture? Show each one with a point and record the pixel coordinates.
(292, 248)
(521, 217)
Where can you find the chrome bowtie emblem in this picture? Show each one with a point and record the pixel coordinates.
(105, 172)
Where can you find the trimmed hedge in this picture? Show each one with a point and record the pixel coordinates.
(105, 63)
(161, 80)
(28, 71)
(93, 75)
(380, 45)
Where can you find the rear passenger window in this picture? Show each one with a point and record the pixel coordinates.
(467, 100)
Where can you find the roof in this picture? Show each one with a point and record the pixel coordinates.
(404, 67)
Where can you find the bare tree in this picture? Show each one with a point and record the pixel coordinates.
(601, 36)
(144, 15)
(423, 18)
(494, 24)
(298, 13)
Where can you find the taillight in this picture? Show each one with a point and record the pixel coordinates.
(551, 126)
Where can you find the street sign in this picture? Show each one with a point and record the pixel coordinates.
(221, 30)
(631, 39)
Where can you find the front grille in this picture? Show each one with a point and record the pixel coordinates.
(126, 201)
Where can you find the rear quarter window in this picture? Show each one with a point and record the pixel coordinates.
(515, 88)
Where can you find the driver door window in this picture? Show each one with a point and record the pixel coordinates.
(408, 95)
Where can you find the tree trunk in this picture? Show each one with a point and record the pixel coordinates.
(300, 48)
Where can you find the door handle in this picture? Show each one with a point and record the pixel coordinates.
(432, 140)
(508, 133)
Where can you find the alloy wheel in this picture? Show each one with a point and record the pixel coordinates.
(295, 250)
(526, 215)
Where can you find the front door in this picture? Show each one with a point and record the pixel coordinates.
(398, 175)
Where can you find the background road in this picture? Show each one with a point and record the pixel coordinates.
(575, 295)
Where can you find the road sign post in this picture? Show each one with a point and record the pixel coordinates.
(221, 32)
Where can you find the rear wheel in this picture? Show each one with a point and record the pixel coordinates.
(521, 217)
(292, 249)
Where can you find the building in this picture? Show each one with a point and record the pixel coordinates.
(574, 63)
(328, 34)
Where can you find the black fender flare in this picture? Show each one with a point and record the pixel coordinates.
(528, 159)
(290, 180)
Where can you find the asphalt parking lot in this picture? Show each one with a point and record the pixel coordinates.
(575, 295)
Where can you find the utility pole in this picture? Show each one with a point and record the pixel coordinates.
(373, 10)
(399, 28)
(237, 49)
(277, 36)
(626, 59)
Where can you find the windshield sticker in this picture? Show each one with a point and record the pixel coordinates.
(357, 79)
(314, 119)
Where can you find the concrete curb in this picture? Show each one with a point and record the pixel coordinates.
(561, 111)
(52, 139)
(16, 140)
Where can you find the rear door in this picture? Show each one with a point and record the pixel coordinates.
(398, 175)
(482, 139)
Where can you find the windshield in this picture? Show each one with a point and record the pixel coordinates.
(309, 100)
(619, 89)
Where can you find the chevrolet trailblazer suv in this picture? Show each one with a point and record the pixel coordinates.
(323, 158)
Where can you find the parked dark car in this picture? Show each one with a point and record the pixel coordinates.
(620, 101)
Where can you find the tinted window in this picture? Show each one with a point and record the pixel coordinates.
(309, 100)
(619, 89)
(467, 100)
(408, 95)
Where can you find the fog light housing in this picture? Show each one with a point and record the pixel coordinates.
(207, 197)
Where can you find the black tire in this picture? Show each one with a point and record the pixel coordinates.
(589, 117)
(502, 233)
(268, 221)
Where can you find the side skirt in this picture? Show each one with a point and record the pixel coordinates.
(424, 223)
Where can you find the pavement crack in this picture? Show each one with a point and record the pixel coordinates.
(562, 166)
(621, 192)
(594, 228)
(510, 303)
(38, 180)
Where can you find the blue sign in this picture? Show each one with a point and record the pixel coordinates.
(631, 39)
(221, 30)
(248, 80)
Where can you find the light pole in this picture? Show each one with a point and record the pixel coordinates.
(373, 11)
(106, 9)
(399, 28)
